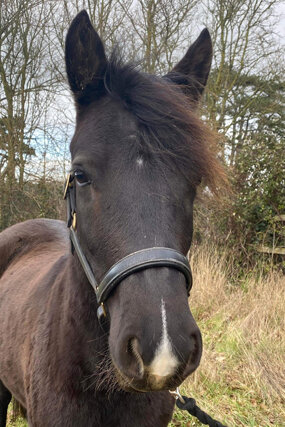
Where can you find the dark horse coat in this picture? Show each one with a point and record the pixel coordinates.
(138, 154)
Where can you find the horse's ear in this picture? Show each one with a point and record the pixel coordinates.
(193, 69)
(85, 59)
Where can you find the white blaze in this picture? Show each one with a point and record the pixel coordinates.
(139, 161)
(164, 362)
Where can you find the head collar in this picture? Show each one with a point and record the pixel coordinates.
(132, 263)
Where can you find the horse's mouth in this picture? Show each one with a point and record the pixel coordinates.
(148, 383)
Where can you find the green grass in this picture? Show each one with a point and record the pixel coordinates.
(19, 422)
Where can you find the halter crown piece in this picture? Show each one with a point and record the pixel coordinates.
(132, 263)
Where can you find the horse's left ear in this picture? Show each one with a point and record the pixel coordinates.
(193, 69)
(85, 60)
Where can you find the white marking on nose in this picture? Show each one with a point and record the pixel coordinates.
(165, 361)
(139, 161)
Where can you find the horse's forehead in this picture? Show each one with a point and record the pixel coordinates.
(107, 115)
(102, 126)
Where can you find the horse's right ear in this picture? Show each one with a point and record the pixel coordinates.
(85, 59)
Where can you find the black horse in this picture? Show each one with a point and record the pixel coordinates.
(138, 153)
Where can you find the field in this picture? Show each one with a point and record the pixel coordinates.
(241, 379)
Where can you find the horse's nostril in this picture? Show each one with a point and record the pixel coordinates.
(195, 354)
(134, 352)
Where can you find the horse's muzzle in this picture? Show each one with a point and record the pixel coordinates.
(167, 370)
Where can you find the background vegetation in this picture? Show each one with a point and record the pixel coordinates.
(241, 380)
(238, 290)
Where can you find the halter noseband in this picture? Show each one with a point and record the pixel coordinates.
(136, 261)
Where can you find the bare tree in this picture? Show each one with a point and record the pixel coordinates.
(245, 102)
(243, 43)
(158, 28)
(26, 90)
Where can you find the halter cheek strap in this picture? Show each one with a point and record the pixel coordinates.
(136, 261)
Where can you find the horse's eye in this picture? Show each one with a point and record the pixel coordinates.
(81, 178)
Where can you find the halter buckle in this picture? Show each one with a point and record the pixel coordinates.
(68, 184)
(73, 225)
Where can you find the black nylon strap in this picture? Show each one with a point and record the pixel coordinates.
(140, 260)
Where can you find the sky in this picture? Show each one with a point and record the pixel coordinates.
(281, 27)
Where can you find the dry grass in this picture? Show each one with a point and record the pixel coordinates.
(241, 379)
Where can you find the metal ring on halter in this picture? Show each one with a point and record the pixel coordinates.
(177, 395)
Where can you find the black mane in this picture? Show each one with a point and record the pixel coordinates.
(167, 120)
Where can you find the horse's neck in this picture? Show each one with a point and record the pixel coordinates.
(86, 338)
(81, 297)
(79, 308)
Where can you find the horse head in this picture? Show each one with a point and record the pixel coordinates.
(138, 154)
